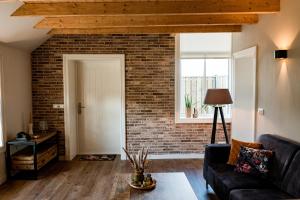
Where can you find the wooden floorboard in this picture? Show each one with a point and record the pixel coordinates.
(93, 180)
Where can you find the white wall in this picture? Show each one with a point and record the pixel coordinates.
(278, 81)
(16, 93)
(205, 43)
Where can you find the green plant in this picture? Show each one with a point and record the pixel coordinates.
(188, 101)
(204, 108)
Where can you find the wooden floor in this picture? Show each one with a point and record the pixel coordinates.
(93, 180)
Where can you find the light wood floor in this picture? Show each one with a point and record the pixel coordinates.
(93, 180)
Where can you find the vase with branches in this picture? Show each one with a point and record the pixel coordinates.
(138, 162)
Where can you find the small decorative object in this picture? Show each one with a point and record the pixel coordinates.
(30, 125)
(188, 106)
(139, 163)
(23, 136)
(195, 114)
(147, 180)
(30, 129)
(36, 136)
(43, 126)
(204, 108)
(144, 187)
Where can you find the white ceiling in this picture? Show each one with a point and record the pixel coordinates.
(18, 31)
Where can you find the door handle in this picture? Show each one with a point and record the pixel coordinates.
(79, 107)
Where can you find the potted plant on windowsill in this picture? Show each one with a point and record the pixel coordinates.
(188, 106)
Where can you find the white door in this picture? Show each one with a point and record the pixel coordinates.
(244, 95)
(99, 93)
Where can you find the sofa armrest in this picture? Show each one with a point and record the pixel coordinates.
(215, 154)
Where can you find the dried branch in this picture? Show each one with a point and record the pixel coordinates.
(129, 157)
(145, 158)
(139, 160)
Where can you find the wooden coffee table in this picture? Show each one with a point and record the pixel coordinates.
(169, 186)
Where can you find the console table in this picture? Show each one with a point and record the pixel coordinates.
(26, 162)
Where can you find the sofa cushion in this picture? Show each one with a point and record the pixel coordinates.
(258, 194)
(283, 150)
(291, 182)
(225, 180)
(235, 149)
(254, 161)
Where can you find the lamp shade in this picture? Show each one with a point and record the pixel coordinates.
(217, 97)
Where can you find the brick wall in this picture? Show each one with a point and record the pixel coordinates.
(150, 89)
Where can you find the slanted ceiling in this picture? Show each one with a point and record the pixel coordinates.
(18, 32)
(145, 16)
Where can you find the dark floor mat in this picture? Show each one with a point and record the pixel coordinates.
(97, 157)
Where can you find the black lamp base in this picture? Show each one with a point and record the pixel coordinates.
(214, 129)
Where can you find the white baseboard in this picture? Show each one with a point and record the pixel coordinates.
(165, 156)
(176, 156)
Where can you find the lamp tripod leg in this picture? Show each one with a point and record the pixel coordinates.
(224, 125)
(214, 129)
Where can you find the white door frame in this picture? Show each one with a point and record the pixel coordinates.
(248, 53)
(2, 107)
(67, 121)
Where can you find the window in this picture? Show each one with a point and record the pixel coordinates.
(1, 106)
(201, 69)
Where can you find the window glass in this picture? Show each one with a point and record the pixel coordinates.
(198, 75)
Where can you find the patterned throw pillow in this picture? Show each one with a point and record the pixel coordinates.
(254, 161)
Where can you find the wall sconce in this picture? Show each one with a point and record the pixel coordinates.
(280, 54)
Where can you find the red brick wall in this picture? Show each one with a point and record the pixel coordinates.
(150, 89)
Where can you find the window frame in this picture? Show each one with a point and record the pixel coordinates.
(178, 58)
(2, 120)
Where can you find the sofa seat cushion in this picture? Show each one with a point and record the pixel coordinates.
(258, 194)
(224, 179)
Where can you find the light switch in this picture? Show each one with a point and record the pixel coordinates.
(58, 106)
(260, 111)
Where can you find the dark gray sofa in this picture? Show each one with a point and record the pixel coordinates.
(283, 181)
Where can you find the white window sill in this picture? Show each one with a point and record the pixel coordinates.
(199, 120)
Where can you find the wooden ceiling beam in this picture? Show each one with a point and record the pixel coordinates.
(92, 1)
(155, 29)
(149, 7)
(142, 21)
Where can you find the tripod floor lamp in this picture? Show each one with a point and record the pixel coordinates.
(218, 98)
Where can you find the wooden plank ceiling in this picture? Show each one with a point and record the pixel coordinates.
(145, 16)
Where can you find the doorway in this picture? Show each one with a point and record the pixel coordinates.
(244, 94)
(94, 88)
